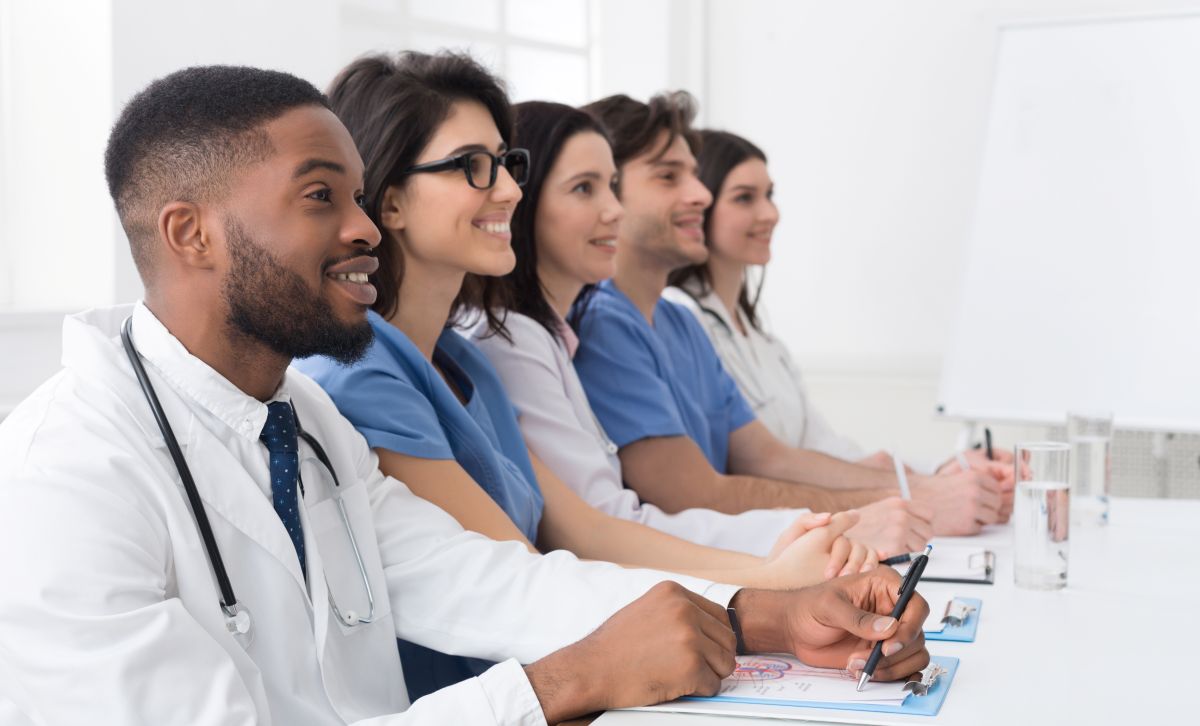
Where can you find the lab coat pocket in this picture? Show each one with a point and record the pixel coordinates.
(350, 558)
(360, 663)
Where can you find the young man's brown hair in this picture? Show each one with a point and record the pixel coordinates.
(635, 126)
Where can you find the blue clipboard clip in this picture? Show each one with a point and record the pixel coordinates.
(961, 621)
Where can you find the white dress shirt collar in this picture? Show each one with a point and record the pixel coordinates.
(198, 381)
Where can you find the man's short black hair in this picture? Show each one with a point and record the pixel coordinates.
(181, 137)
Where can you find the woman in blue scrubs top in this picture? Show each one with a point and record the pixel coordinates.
(399, 402)
(440, 182)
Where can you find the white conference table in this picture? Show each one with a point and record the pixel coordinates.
(1119, 645)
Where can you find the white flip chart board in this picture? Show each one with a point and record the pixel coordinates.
(1082, 284)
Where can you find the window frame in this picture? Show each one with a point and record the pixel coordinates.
(408, 25)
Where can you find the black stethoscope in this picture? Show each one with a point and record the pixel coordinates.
(237, 617)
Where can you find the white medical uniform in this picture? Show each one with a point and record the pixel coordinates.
(109, 611)
(559, 426)
(768, 378)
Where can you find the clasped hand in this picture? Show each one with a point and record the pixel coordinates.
(815, 548)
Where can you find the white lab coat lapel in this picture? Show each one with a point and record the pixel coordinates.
(236, 497)
(221, 480)
(359, 671)
(739, 346)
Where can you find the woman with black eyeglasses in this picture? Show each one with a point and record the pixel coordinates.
(442, 184)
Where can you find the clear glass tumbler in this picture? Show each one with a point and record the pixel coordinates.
(1041, 515)
(1090, 436)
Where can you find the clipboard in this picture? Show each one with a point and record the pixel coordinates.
(959, 564)
(913, 705)
(964, 633)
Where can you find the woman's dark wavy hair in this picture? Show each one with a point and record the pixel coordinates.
(543, 128)
(720, 152)
(393, 105)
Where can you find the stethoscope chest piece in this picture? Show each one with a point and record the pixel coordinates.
(237, 620)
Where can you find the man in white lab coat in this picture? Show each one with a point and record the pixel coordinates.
(240, 193)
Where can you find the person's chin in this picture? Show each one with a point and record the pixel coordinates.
(695, 253)
(598, 273)
(758, 259)
(496, 265)
(349, 312)
(691, 247)
(350, 319)
(759, 253)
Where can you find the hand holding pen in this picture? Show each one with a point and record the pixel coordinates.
(908, 588)
(834, 624)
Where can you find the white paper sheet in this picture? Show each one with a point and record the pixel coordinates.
(937, 611)
(954, 562)
(785, 679)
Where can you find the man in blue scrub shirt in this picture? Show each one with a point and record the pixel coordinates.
(684, 389)
(687, 438)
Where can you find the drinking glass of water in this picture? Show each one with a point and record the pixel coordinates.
(1041, 514)
(1089, 436)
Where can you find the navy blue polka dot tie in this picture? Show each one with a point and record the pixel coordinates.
(279, 435)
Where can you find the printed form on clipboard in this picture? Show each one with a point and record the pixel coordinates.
(780, 686)
(958, 563)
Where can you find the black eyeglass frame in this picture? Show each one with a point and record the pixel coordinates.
(463, 162)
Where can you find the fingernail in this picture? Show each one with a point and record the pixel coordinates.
(856, 664)
(883, 624)
(891, 649)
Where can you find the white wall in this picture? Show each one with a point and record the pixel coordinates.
(151, 38)
(872, 113)
(61, 247)
(54, 205)
(58, 220)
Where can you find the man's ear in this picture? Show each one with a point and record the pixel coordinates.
(185, 236)
(391, 210)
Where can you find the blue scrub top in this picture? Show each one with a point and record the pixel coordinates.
(663, 379)
(399, 402)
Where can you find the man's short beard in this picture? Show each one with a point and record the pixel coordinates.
(273, 305)
(654, 235)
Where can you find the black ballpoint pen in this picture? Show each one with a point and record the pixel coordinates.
(987, 437)
(901, 559)
(907, 588)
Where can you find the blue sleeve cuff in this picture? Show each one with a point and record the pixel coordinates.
(420, 448)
